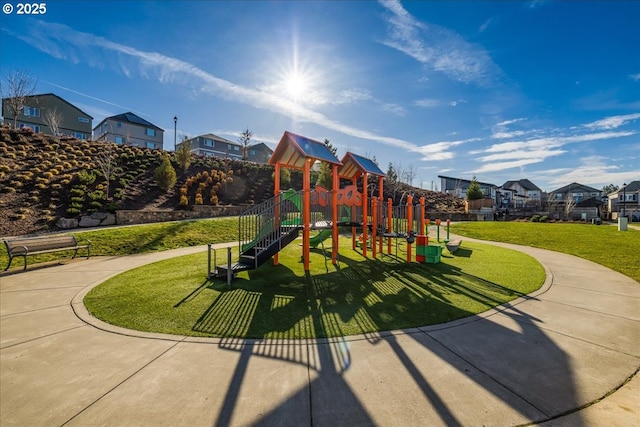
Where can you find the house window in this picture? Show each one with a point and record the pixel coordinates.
(31, 111)
(577, 196)
(150, 144)
(151, 132)
(34, 128)
(119, 124)
(119, 140)
(228, 146)
(559, 196)
(235, 147)
(208, 142)
(83, 119)
(252, 152)
(80, 135)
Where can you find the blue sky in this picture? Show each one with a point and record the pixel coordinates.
(544, 90)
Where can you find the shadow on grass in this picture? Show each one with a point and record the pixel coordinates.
(352, 298)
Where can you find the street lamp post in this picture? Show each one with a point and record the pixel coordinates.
(175, 133)
(624, 199)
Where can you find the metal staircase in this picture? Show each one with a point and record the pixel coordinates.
(264, 230)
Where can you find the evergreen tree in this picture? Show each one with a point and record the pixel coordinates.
(166, 174)
(183, 154)
(325, 177)
(474, 192)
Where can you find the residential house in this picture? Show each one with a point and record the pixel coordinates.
(520, 194)
(259, 153)
(578, 193)
(50, 114)
(575, 201)
(214, 145)
(459, 186)
(626, 201)
(129, 129)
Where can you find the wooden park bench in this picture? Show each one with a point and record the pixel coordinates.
(41, 245)
(453, 245)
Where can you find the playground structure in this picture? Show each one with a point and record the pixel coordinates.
(265, 229)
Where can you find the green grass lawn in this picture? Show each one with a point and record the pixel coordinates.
(143, 238)
(604, 244)
(360, 296)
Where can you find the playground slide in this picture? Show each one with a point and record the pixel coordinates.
(319, 238)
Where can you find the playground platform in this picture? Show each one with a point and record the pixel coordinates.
(567, 355)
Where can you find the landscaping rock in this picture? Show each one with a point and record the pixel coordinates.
(109, 220)
(87, 221)
(99, 215)
(67, 223)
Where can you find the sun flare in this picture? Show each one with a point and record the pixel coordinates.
(295, 85)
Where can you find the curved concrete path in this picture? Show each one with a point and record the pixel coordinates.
(564, 356)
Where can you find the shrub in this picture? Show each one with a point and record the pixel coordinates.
(77, 192)
(95, 205)
(86, 177)
(535, 218)
(544, 218)
(165, 174)
(73, 212)
(110, 207)
(184, 201)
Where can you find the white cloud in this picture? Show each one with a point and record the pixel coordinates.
(635, 77)
(595, 171)
(612, 122)
(438, 48)
(427, 103)
(66, 43)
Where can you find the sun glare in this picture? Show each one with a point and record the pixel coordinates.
(295, 85)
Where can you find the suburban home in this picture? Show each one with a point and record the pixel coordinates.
(626, 201)
(215, 146)
(575, 201)
(459, 186)
(520, 194)
(129, 129)
(576, 192)
(49, 114)
(259, 153)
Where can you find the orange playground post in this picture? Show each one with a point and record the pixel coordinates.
(409, 224)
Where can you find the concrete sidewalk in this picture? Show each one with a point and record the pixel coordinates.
(546, 358)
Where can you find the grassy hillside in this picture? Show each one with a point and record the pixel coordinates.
(43, 178)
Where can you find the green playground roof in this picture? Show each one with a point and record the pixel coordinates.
(293, 150)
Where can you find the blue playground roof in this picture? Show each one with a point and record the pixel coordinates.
(354, 165)
(293, 150)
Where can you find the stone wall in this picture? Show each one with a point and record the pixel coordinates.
(128, 217)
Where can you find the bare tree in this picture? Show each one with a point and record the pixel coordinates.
(244, 140)
(569, 205)
(53, 119)
(17, 86)
(106, 160)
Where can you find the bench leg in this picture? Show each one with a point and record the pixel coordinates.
(10, 261)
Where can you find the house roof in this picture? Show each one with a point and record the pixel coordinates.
(293, 150)
(467, 180)
(215, 138)
(261, 146)
(61, 99)
(631, 187)
(524, 183)
(129, 117)
(575, 186)
(354, 165)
